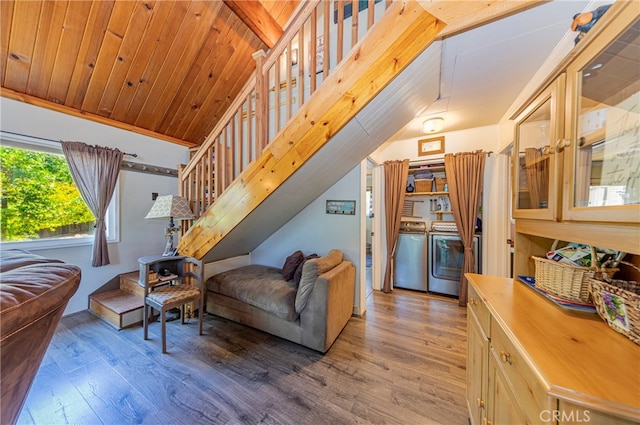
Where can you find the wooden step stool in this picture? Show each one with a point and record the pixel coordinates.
(120, 307)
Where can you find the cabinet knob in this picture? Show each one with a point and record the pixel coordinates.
(472, 301)
(505, 357)
(486, 421)
(562, 143)
(480, 403)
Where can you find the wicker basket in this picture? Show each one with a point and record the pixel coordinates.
(423, 185)
(566, 281)
(440, 183)
(618, 304)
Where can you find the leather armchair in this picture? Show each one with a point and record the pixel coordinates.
(34, 292)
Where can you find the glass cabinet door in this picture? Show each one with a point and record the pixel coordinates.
(536, 130)
(603, 129)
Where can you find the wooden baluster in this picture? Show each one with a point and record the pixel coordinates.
(327, 28)
(300, 68)
(289, 66)
(371, 14)
(250, 141)
(262, 99)
(340, 36)
(355, 6)
(181, 188)
(230, 155)
(210, 178)
(181, 180)
(276, 90)
(241, 145)
(312, 51)
(233, 149)
(219, 166)
(196, 199)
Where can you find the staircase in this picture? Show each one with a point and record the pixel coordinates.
(120, 307)
(253, 174)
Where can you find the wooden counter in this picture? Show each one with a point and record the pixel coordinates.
(575, 355)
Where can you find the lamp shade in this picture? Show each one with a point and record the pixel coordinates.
(171, 206)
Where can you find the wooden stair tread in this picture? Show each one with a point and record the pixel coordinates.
(119, 301)
(129, 282)
(131, 275)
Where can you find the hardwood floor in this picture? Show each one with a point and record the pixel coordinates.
(404, 363)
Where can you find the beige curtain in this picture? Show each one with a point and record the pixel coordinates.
(95, 172)
(465, 175)
(537, 166)
(583, 178)
(395, 183)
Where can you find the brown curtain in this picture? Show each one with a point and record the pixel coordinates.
(465, 175)
(537, 165)
(395, 183)
(95, 172)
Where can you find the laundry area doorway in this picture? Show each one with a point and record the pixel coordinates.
(373, 226)
(369, 229)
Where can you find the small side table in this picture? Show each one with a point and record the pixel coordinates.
(170, 282)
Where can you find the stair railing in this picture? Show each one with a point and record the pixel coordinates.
(315, 42)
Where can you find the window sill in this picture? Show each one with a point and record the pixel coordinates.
(38, 245)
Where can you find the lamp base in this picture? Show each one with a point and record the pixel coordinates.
(169, 250)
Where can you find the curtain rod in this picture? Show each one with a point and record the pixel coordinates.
(135, 155)
(125, 165)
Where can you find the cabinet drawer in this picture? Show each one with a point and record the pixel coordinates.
(530, 392)
(569, 413)
(476, 304)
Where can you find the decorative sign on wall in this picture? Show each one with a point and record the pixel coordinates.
(341, 207)
(431, 146)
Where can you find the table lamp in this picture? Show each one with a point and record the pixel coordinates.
(170, 206)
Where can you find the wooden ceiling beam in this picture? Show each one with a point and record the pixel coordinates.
(464, 15)
(258, 19)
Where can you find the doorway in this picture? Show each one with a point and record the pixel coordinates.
(369, 230)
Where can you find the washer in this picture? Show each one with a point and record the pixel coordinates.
(411, 256)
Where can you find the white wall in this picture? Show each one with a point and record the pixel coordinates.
(138, 237)
(314, 231)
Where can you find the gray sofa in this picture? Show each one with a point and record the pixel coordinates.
(312, 312)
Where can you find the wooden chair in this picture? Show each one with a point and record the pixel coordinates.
(179, 281)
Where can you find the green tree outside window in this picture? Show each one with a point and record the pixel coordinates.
(39, 198)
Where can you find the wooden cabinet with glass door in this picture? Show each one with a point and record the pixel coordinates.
(577, 144)
(535, 183)
(602, 126)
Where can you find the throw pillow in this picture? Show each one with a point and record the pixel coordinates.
(329, 261)
(298, 274)
(311, 269)
(291, 264)
(308, 279)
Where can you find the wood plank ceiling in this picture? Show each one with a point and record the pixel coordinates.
(165, 68)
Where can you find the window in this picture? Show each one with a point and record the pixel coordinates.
(41, 206)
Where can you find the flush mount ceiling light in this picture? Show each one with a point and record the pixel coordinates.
(433, 125)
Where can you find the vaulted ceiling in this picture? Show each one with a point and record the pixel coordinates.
(166, 68)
